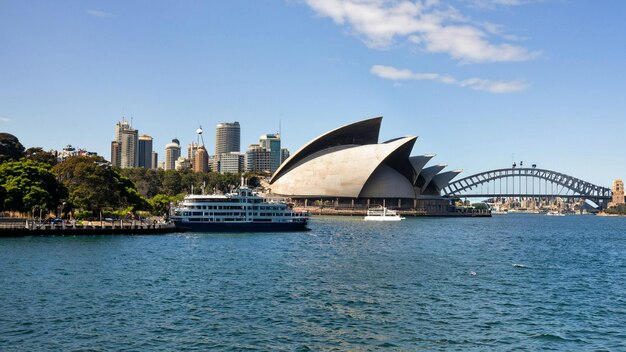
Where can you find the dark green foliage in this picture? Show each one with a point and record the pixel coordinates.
(619, 209)
(28, 184)
(147, 181)
(10, 147)
(93, 185)
(40, 155)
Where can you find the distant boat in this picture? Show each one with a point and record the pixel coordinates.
(499, 212)
(554, 213)
(382, 214)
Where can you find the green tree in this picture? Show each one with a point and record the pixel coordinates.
(161, 203)
(171, 183)
(10, 147)
(93, 185)
(147, 181)
(40, 155)
(29, 184)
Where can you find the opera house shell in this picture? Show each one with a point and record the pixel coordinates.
(350, 163)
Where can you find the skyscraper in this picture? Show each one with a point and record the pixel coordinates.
(257, 159)
(284, 154)
(125, 149)
(155, 160)
(116, 153)
(201, 160)
(130, 148)
(271, 142)
(145, 152)
(172, 153)
(227, 138)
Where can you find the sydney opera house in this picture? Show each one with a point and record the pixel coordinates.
(348, 167)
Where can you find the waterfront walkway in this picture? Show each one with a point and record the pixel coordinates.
(459, 212)
(15, 227)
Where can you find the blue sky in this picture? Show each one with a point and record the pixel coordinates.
(479, 81)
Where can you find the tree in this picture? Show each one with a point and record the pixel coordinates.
(93, 185)
(172, 183)
(147, 181)
(10, 147)
(28, 184)
(161, 203)
(38, 154)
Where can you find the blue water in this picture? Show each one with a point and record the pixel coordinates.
(541, 283)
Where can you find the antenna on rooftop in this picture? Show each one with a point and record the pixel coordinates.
(200, 137)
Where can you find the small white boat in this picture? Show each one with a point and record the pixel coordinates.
(499, 212)
(554, 213)
(382, 214)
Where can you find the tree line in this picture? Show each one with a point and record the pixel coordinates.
(32, 180)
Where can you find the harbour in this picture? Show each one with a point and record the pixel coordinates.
(540, 283)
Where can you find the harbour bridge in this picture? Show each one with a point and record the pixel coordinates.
(526, 183)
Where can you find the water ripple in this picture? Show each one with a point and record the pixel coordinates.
(345, 285)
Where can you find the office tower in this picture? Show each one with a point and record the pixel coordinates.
(155, 160)
(201, 161)
(258, 159)
(227, 138)
(125, 149)
(231, 163)
(116, 153)
(191, 151)
(284, 155)
(271, 142)
(130, 148)
(172, 153)
(145, 152)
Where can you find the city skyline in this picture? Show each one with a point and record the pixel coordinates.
(483, 83)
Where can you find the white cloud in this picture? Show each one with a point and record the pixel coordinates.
(395, 74)
(99, 14)
(427, 23)
(4, 119)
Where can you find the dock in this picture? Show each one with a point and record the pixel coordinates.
(12, 227)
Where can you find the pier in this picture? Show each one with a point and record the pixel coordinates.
(15, 227)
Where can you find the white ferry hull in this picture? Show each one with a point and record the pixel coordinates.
(382, 218)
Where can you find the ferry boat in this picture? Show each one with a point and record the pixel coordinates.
(241, 211)
(382, 214)
(554, 213)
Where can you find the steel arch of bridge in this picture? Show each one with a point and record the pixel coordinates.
(577, 187)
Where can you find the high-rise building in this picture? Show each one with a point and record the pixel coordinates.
(191, 151)
(116, 153)
(155, 160)
(130, 148)
(258, 159)
(145, 152)
(231, 163)
(201, 161)
(227, 138)
(284, 154)
(125, 147)
(271, 142)
(172, 153)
